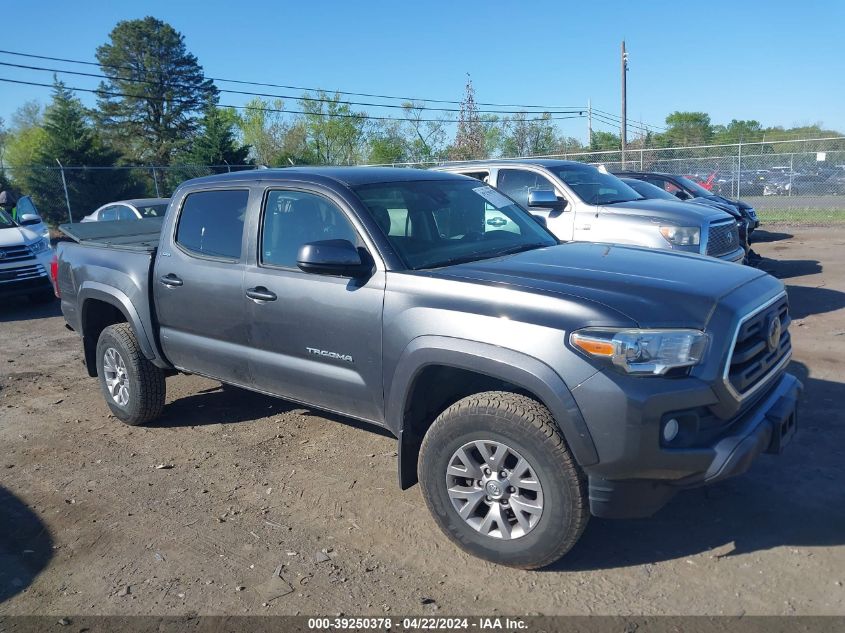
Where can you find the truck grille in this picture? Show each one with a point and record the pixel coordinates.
(762, 346)
(723, 238)
(14, 254)
(11, 275)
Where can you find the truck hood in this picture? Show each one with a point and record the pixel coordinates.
(653, 288)
(17, 235)
(678, 213)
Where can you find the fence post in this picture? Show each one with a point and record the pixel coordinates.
(155, 180)
(739, 167)
(641, 159)
(67, 197)
(791, 159)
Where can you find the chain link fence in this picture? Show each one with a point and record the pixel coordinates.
(799, 182)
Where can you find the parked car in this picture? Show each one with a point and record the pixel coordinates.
(529, 383)
(685, 189)
(25, 256)
(800, 185)
(129, 210)
(581, 203)
(653, 192)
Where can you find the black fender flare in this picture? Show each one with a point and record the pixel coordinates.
(497, 362)
(92, 290)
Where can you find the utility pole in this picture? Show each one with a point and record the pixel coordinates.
(589, 123)
(624, 131)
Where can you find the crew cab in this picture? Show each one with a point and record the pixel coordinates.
(580, 202)
(529, 383)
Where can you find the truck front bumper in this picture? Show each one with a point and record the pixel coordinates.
(640, 472)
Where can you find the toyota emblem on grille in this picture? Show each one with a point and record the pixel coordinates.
(2, 254)
(773, 335)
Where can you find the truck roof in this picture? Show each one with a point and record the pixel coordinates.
(541, 162)
(349, 176)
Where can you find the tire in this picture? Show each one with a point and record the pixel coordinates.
(44, 296)
(527, 430)
(138, 385)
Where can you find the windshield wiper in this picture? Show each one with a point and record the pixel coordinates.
(454, 261)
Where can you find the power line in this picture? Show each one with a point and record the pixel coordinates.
(288, 87)
(277, 96)
(264, 109)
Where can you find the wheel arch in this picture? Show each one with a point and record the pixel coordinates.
(490, 366)
(101, 306)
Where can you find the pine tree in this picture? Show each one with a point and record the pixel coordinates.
(216, 143)
(70, 139)
(155, 89)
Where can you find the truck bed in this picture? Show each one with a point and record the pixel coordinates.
(132, 235)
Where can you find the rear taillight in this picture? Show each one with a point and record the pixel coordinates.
(54, 274)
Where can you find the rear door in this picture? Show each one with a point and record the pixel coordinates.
(198, 285)
(316, 338)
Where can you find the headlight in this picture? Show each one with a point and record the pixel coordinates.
(649, 352)
(681, 235)
(40, 246)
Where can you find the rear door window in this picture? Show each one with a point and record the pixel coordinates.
(212, 223)
(125, 213)
(109, 213)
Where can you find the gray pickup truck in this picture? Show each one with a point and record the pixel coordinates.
(530, 383)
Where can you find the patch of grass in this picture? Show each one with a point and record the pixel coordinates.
(799, 216)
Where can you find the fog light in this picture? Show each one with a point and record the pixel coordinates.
(670, 430)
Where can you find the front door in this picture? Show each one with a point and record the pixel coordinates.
(198, 287)
(518, 183)
(314, 338)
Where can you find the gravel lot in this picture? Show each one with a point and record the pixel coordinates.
(262, 506)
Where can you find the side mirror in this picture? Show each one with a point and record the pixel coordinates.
(332, 257)
(541, 219)
(680, 194)
(546, 199)
(29, 219)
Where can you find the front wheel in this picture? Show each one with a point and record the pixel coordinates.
(132, 386)
(501, 482)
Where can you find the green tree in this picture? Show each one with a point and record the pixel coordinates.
(334, 133)
(215, 144)
(263, 129)
(604, 141)
(529, 136)
(687, 128)
(70, 138)
(469, 139)
(387, 143)
(425, 135)
(155, 89)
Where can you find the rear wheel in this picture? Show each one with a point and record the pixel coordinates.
(501, 482)
(132, 386)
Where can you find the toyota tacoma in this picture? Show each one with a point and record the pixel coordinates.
(530, 383)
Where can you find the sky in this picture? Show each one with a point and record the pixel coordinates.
(777, 62)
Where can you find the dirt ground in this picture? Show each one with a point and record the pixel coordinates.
(266, 507)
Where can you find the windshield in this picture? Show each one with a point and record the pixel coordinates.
(436, 223)
(693, 187)
(648, 190)
(594, 186)
(6, 221)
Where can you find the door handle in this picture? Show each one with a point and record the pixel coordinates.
(260, 293)
(170, 280)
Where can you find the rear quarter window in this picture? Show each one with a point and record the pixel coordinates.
(212, 223)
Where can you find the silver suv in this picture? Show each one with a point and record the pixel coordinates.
(584, 204)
